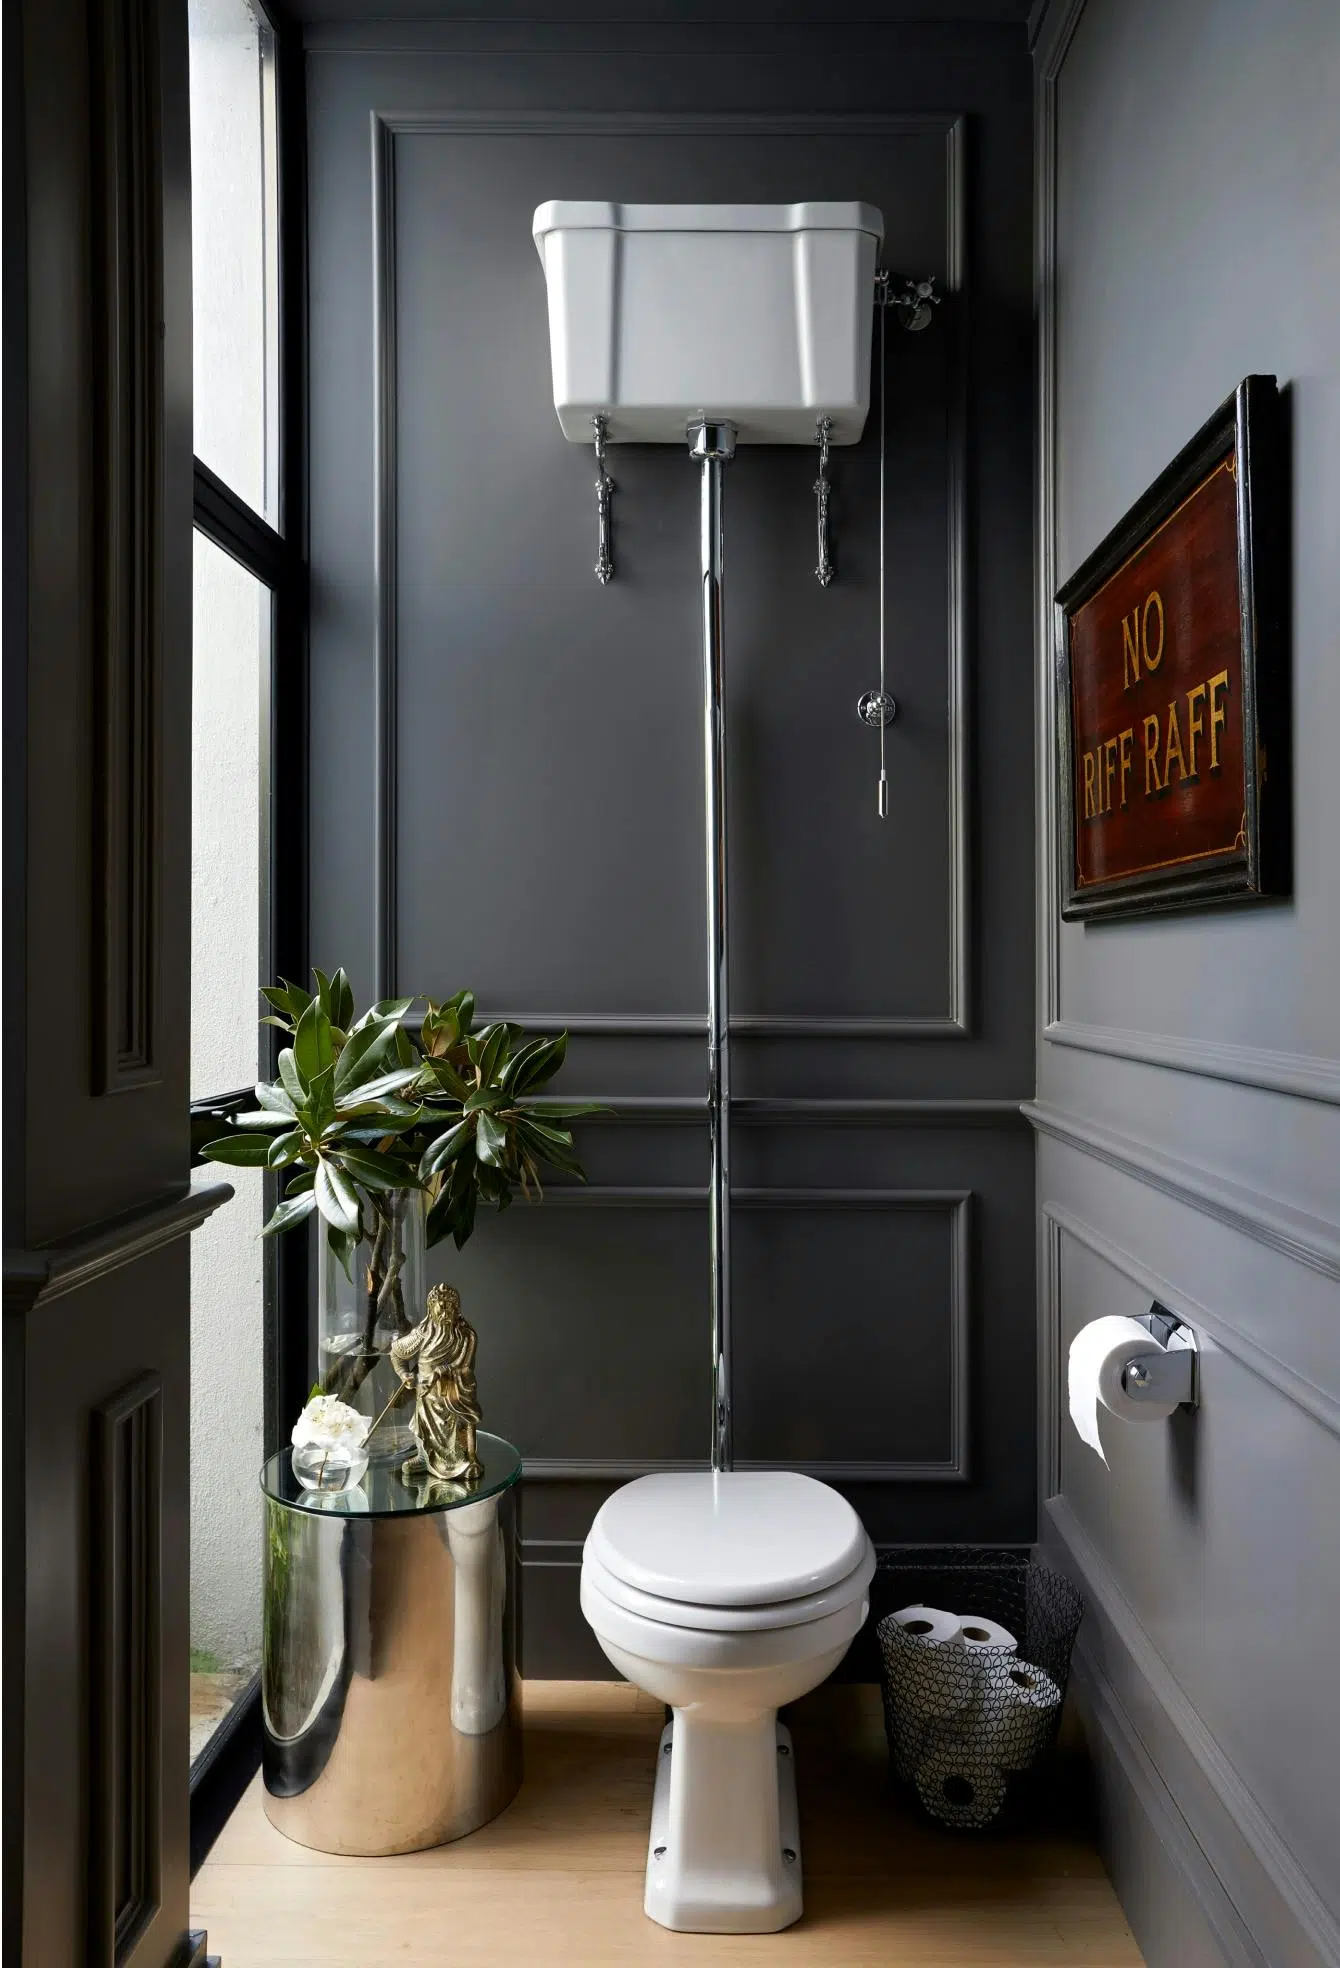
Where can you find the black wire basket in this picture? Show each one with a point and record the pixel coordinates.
(970, 1720)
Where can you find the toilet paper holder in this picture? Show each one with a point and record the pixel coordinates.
(1170, 1371)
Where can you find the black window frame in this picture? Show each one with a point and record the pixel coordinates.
(277, 557)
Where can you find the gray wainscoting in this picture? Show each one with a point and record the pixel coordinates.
(1187, 1073)
(506, 759)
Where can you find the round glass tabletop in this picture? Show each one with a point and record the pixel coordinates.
(383, 1492)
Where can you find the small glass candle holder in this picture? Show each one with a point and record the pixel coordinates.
(330, 1468)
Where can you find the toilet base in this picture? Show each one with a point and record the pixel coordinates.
(725, 1885)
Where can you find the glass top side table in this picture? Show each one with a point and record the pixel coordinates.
(389, 1688)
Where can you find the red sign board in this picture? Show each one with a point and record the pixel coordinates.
(1165, 759)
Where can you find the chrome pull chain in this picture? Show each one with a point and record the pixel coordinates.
(876, 707)
(604, 486)
(823, 490)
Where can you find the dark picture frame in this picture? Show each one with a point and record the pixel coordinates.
(1172, 680)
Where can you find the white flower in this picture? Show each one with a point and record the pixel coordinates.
(329, 1423)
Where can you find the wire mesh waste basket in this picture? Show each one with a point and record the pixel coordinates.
(974, 1659)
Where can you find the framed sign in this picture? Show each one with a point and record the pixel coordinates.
(1172, 680)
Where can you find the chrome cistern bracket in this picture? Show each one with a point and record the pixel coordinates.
(823, 491)
(604, 487)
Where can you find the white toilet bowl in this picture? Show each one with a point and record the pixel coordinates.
(725, 1597)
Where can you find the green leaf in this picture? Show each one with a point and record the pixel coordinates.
(299, 1185)
(519, 1061)
(313, 1048)
(555, 1110)
(265, 1117)
(290, 1079)
(366, 1053)
(391, 1008)
(489, 1050)
(444, 1074)
(361, 1099)
(275, 1100)
(285, 1148)
(323, 993)
(543, 1066)
(342, 997)
(315, 1391)
(490, 1139)
(320, 1109)
(238, 1150)
(344, 1243)
(375, 1171)
(336, 1197)
(464, 1221)
(284, 1024)
(294, 1209)
(297, 997)
(445, 1149)
(486, 1100)
(463, 1004)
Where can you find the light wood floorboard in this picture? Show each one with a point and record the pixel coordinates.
(556, 1881)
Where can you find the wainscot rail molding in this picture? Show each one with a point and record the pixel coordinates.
(1306, 1077)
(1298, 1073)
(957, 1203)
(1245, 1826)
(1308, 1239)
(956, 1021)
(1318, 1402)
(768, 1111)
(38, 1276)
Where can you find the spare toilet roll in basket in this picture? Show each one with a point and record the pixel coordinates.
(973, 1678)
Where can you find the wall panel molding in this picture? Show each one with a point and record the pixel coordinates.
(127, 261)
(1243, 1830)
(956, 1203)
(956, 1021)
(125, 1804)
(1295, 1233)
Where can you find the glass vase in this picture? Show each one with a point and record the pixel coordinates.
(365, 1308)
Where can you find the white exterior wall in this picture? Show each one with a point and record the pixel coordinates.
(231, 630)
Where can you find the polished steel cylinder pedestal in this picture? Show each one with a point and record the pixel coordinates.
(391, 1711)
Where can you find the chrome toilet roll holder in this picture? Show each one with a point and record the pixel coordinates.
(1170, 1371)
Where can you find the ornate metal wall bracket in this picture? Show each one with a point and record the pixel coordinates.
(915, 300)
(823, 490)
(604, 487)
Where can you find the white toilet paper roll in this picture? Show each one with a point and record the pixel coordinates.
(960, 1785)
(928, 1623)
(1099, 1355)
(930, 1676)
(1020, 1704)
(978, 1632)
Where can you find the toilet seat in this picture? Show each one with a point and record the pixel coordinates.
(802, 1611)
(740, 1539)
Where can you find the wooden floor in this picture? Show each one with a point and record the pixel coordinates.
(556, 1881)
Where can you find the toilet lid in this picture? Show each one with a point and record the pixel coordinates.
(744, 1538)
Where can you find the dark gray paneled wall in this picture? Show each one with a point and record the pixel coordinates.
(539, 785)
(1189, 1070)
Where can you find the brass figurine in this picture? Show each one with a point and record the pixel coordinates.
(435, 1360)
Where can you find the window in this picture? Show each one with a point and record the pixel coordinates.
(247, 1348)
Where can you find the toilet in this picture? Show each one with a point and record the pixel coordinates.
(725, 1596)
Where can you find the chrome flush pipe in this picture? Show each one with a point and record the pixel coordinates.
(712, 445)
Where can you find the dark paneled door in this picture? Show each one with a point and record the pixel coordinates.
(98, 1209)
